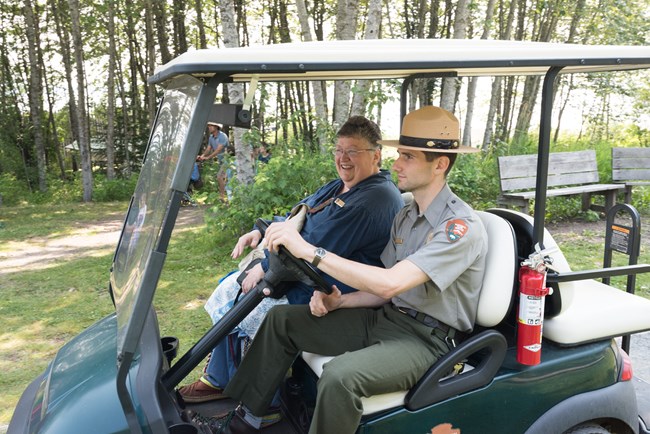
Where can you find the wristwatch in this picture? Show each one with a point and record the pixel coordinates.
(319, 254)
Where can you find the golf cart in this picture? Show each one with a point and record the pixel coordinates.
(119, 376)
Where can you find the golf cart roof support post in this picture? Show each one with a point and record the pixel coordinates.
(543, 151)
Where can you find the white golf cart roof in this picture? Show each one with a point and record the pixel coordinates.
(400, 58)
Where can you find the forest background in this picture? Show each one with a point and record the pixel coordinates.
(76, 108)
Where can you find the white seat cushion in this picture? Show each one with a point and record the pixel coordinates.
(596, 311)
(496, 293)
(372, 404)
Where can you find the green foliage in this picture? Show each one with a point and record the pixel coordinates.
(14, 191)
(474, 179)
(106, 190)
(288, 178)
(11, 190)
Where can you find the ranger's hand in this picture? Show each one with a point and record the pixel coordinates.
(285, 234)
(321, 304)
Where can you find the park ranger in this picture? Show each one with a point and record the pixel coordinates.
(404, 316)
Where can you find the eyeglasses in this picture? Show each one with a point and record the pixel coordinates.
(351, 153)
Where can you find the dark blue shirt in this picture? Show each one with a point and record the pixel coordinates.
(355, 225)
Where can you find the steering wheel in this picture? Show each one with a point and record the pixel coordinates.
(302, 269)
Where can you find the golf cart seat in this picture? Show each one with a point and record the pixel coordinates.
(577, 309)
(494, 303)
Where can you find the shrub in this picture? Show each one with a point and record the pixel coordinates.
(474, 179)
(288, 178)
(12, 191)
(113, 190)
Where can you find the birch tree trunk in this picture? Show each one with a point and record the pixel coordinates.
(151, 62)
(471, 88)
(243, 149)
(346, 26)
(497, 83)
(110, 94)
(84, 145)
(320, 101)
(531, 84)
(373, 23)
(64, 45)
(450, 85)
(35, 93)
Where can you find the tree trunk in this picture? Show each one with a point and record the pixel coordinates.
(243, 149)
(346, 24)
(491, 125)
(84, 145)
(35, 93)
(64, 41)
(471, 88)
(450, 85)
(110, 93)
(160, 16)
(320, 102)
(127, 133)
(198, 8)
(373, 23)
(51, 128)
(178, 19)
(151, 63)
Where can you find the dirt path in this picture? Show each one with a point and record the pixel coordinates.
(89, 239)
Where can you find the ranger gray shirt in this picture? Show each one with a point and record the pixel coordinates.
(449, 243)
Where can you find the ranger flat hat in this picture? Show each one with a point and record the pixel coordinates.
(430, 129)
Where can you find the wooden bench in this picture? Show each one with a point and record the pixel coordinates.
(570, 172)
(631, 166)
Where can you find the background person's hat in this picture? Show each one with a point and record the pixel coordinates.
(430, 129)
(216, 124)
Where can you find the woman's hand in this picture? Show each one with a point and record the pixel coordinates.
(253, 276)
(251, 239)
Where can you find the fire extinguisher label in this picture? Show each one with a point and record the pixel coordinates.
(534, 348)
(531, 309)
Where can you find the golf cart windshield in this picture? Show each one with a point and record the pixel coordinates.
(135, 267)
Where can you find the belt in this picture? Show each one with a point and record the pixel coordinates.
(425, 319)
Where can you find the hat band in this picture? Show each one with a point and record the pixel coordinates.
(428, 143)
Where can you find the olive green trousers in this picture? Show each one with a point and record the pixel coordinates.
(378, 351)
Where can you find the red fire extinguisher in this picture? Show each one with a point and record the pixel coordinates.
(532, 290)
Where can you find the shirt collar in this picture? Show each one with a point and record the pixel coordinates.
(434, 211)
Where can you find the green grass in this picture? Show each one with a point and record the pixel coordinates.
(20, 222)
(43, 309)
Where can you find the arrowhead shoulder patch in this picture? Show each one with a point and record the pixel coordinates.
(456, 229)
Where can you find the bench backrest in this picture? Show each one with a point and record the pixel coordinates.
(519, 172)
(630, 164)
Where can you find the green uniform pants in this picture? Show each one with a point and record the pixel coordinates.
(379, 351)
